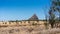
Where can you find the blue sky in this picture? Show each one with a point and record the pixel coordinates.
(23, 9)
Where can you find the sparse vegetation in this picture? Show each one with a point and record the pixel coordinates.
(29, 30)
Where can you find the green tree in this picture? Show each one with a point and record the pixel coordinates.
(51, 18)
(56, 6)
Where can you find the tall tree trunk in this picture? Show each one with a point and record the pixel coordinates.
(52, 25)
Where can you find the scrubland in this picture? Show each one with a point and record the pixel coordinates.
(28, 30)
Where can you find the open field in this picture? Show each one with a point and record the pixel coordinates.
(28, 30)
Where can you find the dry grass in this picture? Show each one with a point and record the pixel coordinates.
(28, 30)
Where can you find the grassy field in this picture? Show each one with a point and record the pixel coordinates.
(28, 30)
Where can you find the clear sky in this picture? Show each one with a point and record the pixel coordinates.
(23, 9)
